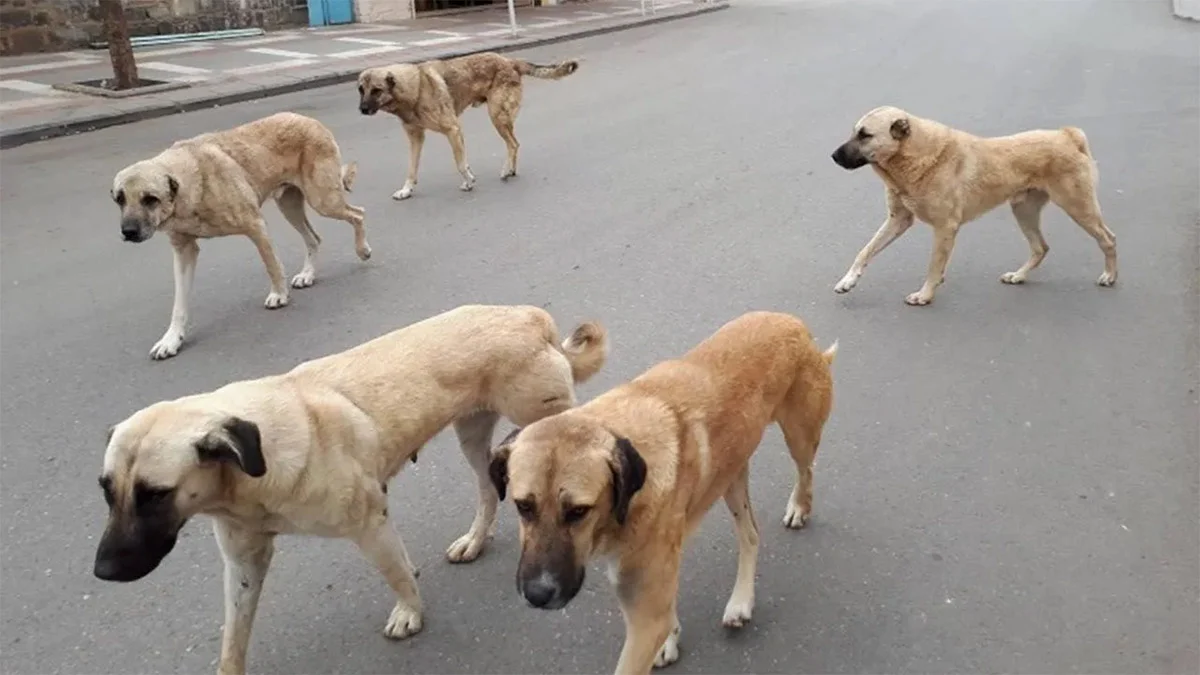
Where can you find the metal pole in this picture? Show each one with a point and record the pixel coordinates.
(643, 7)
(512, 17)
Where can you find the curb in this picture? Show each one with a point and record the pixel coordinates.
(18, 137)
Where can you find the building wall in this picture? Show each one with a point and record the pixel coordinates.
(50, 25)
(381, 11)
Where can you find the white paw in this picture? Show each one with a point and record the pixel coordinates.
(364, 251)
(304, 279)
(794, 517)
(1012, 278)
(669, 652)
(918, 299)
(167, 347)
(465, 549)
(507, 173)
(737, 613)
(848, 282)
(1107, 279)
(403, 193)
(467, 185)
(403, 622)
(276, 300)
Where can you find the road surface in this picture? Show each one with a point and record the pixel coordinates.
(1009, 481)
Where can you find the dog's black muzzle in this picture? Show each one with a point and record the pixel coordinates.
(848, 157)
(368, 108)
(543, 590)
(132, 230)
(131, 556)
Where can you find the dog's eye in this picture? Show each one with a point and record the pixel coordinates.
(149, 201)
(526, 509)
(375, 91)
(575, 514)
(119, 198)
(863, 135)
(106, 487)
(148, 498)
(360, 89)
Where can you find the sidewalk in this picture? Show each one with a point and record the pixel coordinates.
(225, 72)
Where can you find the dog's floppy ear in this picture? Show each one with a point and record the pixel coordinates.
(173, 185)
(498, 468)
(628, 476)
(900, 129)
(241, 446)
(390, 80)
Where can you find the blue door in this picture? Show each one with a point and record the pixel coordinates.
(330, 12)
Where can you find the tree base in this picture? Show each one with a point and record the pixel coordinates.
(104, 87)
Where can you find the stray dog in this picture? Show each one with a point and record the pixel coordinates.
(433, 95)
(312, 451)
(629, 475)
(214, 185)
(948, 178)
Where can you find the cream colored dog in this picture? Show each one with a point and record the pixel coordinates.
(948, 178)
(214, 185)
(629, 475)
(312, 451)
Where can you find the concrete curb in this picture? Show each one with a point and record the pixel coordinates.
(17, 137)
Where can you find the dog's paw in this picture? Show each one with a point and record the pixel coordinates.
(403, 622)
(737, 613)
(467, 185)
(465, 549)
(1106, 280)
(167, 347)
(507, 173)
(304, 279)
(669, 652)
(848, 282)
(363, 252)
(918, 299)
(276, 300)
(1012, 278)
(795, 517)
(403, 193)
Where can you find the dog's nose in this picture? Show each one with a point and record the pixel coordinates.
(107, 569)
(540, 591)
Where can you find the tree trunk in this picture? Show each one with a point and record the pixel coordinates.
(116, 30)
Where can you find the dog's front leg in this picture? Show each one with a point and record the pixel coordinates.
(459, 147)
(898, 221)
(247, 557)
(651, 625)
(185, 251)
(943, 246)
(381, 544)
(278, 297)
(416, 141)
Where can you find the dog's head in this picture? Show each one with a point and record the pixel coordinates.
(877, 137)
(145, 193)
(163, 465)
(381, 88)
(572, 481)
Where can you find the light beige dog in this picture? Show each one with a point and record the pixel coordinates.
(214, 185)
(948, 178)
(433, 95)
(629, 475)
(312, 451)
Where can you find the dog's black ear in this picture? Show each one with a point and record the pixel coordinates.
(391, 81)
(242, 447)
(173, 185)
(900, 129)
(498, 467)
(628, 476)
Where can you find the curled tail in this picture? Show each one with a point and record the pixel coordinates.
(586, 349)
(349, 173)
(830, 354)
(1079, 139)
(551, 72)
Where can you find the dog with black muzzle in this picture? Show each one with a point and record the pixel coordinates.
(214, 185)
(948, 178)
(628, 476)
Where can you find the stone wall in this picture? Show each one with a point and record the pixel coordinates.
(49, 25)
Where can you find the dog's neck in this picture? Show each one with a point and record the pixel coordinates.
(907, 168)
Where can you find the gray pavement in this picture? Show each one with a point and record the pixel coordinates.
(1009, 481)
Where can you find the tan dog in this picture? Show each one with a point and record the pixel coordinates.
(214, 185)
(948, 178)
(312, 451)
(630, 475)
(433, 95)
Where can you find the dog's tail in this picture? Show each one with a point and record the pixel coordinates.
(1079, 139)
(830, 354)
(552, 72)
(349, 173)
(586, 349)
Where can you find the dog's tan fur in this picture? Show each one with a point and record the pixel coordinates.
(629, 475)
(312, 451)
(947, 178)
(214, 185)
(433, 95)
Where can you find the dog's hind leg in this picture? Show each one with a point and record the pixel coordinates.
(1027, 209)
(475, 438)
(459, 147)
(416, 141)
(503, 105)
(741, 601)
(381, 544)
(801, 417)
(1079, 201)
(247, 558)
(325, 192)
(291, 203)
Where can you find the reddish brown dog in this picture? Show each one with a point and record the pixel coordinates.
(629, 475)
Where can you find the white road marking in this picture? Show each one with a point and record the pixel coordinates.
(171, 51)
(282, 52)
(498, 31)
(365, 41)
(268, 67)
(174, 68)
(591, 16)
(22, 104)
(444, 32)
(51, 65)
(365, 51)
(549, 24)
(27, 87)
(264, 40)
(440, 41)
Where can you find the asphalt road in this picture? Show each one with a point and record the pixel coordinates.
(1009, 481)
